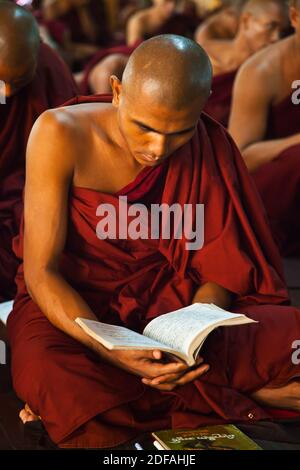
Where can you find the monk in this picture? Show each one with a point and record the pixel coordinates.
(163, 17)
(85, 21)
(260, 24)
(265, 122)
(35, 80)
(149, 144)
(223, 24)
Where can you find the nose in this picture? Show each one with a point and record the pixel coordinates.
(159, 146)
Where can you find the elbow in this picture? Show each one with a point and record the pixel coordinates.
(35, 279)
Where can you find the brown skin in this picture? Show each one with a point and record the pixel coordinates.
(99, 78)
(221, 25)
(19, 46)
(271, 73)
(257, 29)
(146, 22)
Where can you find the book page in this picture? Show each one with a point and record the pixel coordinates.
(180, 328)
(117, 337)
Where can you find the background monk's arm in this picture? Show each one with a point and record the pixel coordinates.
(135, 28)
(215, 294)
(249, 118)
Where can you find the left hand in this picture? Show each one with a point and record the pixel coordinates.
(169, 382)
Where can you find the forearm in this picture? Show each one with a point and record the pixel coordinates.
(258, 154)
(61, 304)
(87, 23)
(54, 9)
(213, 293)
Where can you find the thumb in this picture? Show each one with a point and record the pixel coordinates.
(157, 354)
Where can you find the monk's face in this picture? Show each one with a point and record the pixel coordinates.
(153, 131)
(264, 28)
(16, 78)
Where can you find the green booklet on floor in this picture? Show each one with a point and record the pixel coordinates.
(219, 437)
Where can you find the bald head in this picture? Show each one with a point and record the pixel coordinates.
(19, 34)
(173, 70)
(258, 6)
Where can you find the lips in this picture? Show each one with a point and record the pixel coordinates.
(149, 158)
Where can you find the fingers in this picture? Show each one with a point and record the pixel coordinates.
(176, 379)
(193, 375)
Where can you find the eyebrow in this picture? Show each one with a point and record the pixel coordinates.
(184, 131)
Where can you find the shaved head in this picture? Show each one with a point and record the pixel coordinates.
(173, 70)
(19, 34)
(257, 6)
(163, 91)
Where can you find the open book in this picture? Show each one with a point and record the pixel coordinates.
(180, 333)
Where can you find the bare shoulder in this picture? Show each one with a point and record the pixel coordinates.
(262, 70)
(61, 137)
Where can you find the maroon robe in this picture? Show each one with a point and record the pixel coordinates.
(86, 402)
(279, 180)
(52, 85)
(218, 105)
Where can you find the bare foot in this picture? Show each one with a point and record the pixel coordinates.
(27, 415)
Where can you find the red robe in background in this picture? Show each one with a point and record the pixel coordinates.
(126, 50)
(218, 105)
(279, 181)
(86, 402)
(72, 22)
(52, 85)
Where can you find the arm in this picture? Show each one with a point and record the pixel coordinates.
(54, 9)
(249, 117)
(213, 293)
(87, 23)
(135, 29)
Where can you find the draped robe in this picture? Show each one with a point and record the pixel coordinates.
(51, 86)
(218, 105)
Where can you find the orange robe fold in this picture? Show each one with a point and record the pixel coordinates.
(278, 181)
(51, 86)
(86, 402)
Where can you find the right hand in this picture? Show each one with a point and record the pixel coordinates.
(149, 364)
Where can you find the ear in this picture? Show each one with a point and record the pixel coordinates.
(116, 87)
(245, 20)
(294, 17)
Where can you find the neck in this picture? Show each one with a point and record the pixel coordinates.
(241, 48)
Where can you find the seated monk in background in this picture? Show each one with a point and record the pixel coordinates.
(265, 123)
(223, 24)
(261, 22)
(165, 16)
(85, 21)
(35, 79)
(150, 146)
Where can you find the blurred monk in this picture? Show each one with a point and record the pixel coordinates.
(34, 79)
(261, 23)
(265, 123)
(150, 145)
(165, 16)
(223, 24)
(85, 21)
